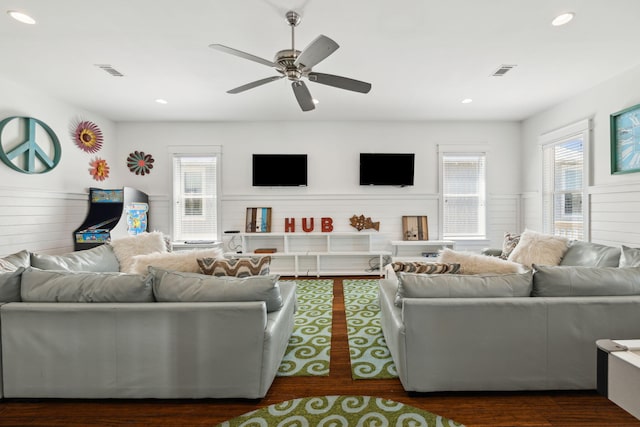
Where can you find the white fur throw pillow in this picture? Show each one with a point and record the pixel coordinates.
(128, 247)
(473, 263)
(538, 248)
(186, 261)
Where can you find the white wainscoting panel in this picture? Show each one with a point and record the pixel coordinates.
(614, 214)
(38, 220)
(386, 209)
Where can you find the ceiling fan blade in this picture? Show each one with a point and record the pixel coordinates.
(317, 50)
(340, 82)
(254, 84)
(244, 55)
(303, 95)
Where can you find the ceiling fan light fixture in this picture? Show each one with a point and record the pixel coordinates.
(562, 19)
(21, 17)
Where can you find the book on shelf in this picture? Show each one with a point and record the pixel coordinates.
(265, 250)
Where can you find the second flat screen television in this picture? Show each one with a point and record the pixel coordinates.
(279, 170)
(387, 169)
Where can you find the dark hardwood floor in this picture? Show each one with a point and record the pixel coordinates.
(566, 409)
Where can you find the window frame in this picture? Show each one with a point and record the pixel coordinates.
(196, 151)
(445, 150)
(581, 129)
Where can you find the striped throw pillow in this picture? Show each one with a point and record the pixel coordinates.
(425, 267)
(240, 267)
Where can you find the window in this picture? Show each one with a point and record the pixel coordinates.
(564, 181)
(195, 196)
(463, 190)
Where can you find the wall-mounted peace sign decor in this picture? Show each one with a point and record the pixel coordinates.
(22, 157)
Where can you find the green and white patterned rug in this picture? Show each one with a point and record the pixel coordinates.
(340, 411)
(310, 344)
(370, 356)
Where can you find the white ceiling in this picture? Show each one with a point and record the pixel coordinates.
(421, 56)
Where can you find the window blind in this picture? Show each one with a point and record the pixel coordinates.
(563, 187)
(464, 195)
(195, 215)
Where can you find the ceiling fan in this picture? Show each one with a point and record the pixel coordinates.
(294, 65)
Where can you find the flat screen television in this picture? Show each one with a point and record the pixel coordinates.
(387, 169)
(279, 170)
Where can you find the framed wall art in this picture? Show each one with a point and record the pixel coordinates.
(415, 228)
(258, 220)
(625, 140)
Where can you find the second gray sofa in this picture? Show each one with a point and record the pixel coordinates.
(461, 342)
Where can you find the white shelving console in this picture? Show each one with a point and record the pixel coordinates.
(411, 250)
(313, 254)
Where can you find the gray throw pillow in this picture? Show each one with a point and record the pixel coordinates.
(629, 257)
(98, 259)
(177, 286)
(14, 261)
(589, 254)
(564, 281)
(72, 286)
(459, 286)
(10, 285)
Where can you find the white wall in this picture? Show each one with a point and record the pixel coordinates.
(333, 154)
(40, 211)
(614, 199)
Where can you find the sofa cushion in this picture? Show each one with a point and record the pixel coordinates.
(538, 248)
(74, 286)
(179, 261)
(178, 286)
(564, 281)
(141, 244)
(10, 285)
(239, 267)
(629, 257)
(14, 261)
(98, 259)
(509, 243)
(589, 254)
(412, 285)
(425, 267)
(473, 263)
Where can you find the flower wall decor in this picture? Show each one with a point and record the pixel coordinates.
(87, 136)
(140, 163)
(99, 169)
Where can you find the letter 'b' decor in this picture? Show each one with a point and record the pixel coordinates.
(27, 149)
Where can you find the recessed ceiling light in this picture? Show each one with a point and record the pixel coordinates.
(22, 17)
(562, 19)
(162, 101)
(467, 101)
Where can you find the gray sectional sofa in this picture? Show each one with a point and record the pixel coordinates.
(80, 329)
(521, 331)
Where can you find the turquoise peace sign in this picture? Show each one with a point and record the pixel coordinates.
(30, 149)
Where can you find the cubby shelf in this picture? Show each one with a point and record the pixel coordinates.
(313, 254)
(411, 250)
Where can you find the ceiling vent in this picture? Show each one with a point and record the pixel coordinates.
(502, 70)
(109, 69)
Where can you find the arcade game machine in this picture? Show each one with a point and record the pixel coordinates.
(112, 213)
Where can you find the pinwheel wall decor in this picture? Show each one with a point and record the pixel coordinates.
(140, 163)
(87, 136)
(99, 169)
